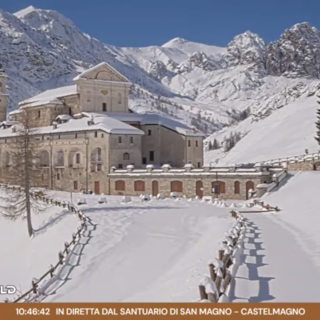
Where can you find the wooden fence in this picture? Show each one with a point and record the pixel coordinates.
(213, 287)
(265, 206)
(62, 255)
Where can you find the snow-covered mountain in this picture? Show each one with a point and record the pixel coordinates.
(207, 86)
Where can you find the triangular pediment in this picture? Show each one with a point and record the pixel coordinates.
(102, 71)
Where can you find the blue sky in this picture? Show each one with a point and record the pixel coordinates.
(154, 22)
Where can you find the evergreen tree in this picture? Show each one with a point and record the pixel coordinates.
(215, 144)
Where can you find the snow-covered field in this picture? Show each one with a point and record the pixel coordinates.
(157, 251)
(154, 251)
(25, 258)
(282, 260)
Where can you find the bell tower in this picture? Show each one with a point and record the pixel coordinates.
(3, 95)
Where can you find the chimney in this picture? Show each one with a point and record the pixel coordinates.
(91, 121)
(54, 125)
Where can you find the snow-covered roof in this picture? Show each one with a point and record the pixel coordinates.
(50, 96)
(65, 117)
(155, 119)
(102, 64)
(8, 123)
(106, 124)
(42, 103)
(15, 112)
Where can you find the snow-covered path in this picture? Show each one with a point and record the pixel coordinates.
(276, 268)
(146, 252)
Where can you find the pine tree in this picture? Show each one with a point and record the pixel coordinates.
(318, 126)
(215, 144)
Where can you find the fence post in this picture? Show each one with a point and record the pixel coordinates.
(34, 286)
(66, 245)
(212, 272)
(61, 257)
(203, 294)
(220, 254)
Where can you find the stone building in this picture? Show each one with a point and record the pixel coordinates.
(85, 129)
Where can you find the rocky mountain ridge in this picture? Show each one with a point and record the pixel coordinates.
(199, 84)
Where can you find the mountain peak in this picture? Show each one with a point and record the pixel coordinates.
(175, 41)
(246, 48)
(296, 54)
(22, 13)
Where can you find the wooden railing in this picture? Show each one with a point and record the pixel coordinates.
(213, 287)
(62, 255)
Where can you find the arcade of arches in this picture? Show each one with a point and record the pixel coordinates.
(224, 189)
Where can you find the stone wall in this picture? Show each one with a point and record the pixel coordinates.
(162, 181)
(301, 166)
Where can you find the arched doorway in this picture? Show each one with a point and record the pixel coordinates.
(316, 166)
(199, 188)
(155, 188)
(249, 185)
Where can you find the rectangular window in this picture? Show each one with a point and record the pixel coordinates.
(39, 114)
(196, 143)
(99, 167)
(77, 158)
(42, 137)
(70, 111)
(76, 135)
(189, 143)
(149, 132)
(131, 140)
(58, 176)
(102, 135)
(95, 134)
(144, 160)
(104, 107)
(120, 166)
(75, 185)
(151, 155)
(119, 140)
(199, 164)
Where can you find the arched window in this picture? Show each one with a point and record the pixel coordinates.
(139, 185)
(59, 158)
(237, 187)
(126, 156)
(176, 186)
(44, 158)
(96, 155)
(75, 157)
(120, 185)
(6, 159)
(218, 187)
(119, 98)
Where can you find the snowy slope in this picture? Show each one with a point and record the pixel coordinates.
(283, 245)
(26, 258)
(202, 85)
(286, 132)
